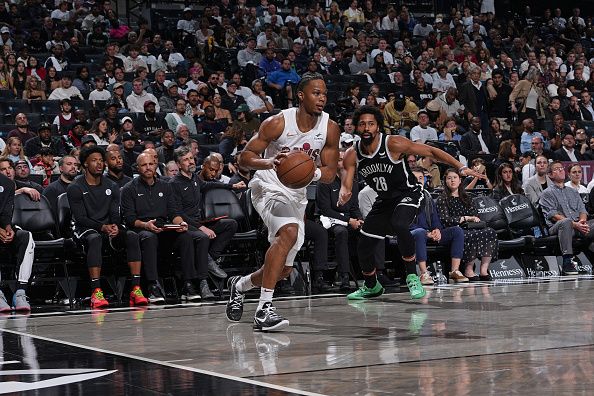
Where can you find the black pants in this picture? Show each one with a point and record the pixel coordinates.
(181, 242)
(342, 235)
(203, 246)
(319, 236)
(388, 217)
(94, 242)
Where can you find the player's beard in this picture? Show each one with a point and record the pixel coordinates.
(367, 140)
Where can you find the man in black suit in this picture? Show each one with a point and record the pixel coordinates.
(477, 141)
(342, 221)
(568, 152)
(474, 96)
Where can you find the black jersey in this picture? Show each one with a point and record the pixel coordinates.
(387, 176)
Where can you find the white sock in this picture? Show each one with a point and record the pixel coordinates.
(265, 296)
(244, 284)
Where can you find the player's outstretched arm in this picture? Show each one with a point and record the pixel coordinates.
(329, 153)
(399, 145)
(270, 130)
(349, 163)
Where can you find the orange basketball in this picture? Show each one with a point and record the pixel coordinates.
(296, 170)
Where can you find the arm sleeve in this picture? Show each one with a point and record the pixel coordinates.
(323, 199)
(79, 211)
(128, 206)
(354, 202)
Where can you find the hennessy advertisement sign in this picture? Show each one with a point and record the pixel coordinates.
(583, 265)
(506, 269)
(540, 266)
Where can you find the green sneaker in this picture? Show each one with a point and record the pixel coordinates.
(415, 287)
(364, 292)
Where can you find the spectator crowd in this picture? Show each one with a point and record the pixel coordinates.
(94, 103)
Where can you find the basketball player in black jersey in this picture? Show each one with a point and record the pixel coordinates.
(381, 160)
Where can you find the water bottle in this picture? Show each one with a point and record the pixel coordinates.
(441, 279)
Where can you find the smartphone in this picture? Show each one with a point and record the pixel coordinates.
(172, 226)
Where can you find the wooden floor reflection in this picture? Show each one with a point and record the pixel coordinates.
(528, 338)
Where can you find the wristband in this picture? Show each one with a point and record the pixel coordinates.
(317, 175)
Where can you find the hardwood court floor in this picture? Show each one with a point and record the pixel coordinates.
(533, 337)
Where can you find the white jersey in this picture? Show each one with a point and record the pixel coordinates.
(311, 142)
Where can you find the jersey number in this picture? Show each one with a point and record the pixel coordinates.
(380, 184)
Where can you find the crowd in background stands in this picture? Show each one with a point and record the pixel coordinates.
(498, 92)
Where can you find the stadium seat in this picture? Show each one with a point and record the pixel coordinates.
(491, 213)
(50, 249)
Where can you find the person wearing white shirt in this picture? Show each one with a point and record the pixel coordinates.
(139, 97)
(99, 93)
(382, 49)
(442, 80)
(575, 179)
(62, 13)
(422, 29)
(186, 23)
(422, 132)
(66, 91)
(390, 22)
(259, 102)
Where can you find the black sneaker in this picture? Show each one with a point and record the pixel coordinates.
(156, 294)
(569, 268)
(235, 304)
(267, 319)
(205, 290)
(345, 282)
(189, 292)
(385, 281)
(319, 283)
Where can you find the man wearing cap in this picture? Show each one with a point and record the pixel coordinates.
(44, 138)
(129, 156)
(233, 99)
(249, 54)
(350, 41)
(150, 124)
(167, 101)
(5, 36)
(87, 140)
(68, 166)
(186, 25)
(75, 135)
(22, 171)
(66, 90)
(400, 114)
(423, 132)
(22, 130)
(139, 97)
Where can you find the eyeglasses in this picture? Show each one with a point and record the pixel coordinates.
(558, 170)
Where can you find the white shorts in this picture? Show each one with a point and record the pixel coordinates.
(277, 209)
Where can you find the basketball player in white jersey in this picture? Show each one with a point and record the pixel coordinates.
(308, 129)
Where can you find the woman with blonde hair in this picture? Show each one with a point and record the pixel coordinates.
(33, 90)
(14, 150)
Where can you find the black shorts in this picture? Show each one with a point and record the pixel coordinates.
(378, 223)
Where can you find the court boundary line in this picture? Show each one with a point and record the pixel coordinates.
(166, 364)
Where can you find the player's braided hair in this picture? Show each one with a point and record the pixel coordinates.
(379, 118)
(307, 78)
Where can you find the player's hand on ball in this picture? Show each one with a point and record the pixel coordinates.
(344, 196)
(277, 160)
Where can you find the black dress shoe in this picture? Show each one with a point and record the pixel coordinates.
(485, 278)
(319, 283)
(475, 278)
(345, 282)
(215, 269)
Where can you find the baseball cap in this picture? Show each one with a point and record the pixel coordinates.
(87, 139)
(21, 162)
(350, 29)
(127, 136)
(44, 125)
(422, 111)
(5, 30)
(187, 9)
(118, 85)
(126, 119)
(148, 103)
(438, 20)
(432, 105)
(112, 103)
(171, 84)
(242, 108)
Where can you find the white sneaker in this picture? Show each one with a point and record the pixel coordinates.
(426, 278)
